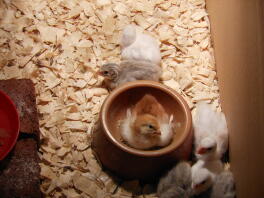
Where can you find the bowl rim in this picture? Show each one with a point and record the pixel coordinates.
(16, 119)
(152, 84)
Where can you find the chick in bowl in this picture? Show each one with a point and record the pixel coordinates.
(147, 125)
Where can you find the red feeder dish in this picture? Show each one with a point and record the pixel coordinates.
(9, 125)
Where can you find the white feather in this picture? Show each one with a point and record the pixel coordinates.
(126, 131)
(166, 129)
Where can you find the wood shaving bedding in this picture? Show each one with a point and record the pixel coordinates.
(60, 45)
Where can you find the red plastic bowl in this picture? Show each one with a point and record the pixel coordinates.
(9, 125)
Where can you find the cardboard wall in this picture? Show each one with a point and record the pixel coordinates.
(238, 36)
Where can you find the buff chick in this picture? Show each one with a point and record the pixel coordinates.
(147, 125)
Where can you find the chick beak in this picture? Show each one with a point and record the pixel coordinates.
(201, 151)
(99, 73)
(196, 186)
(157, 132)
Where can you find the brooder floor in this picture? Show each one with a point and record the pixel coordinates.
(60, 45)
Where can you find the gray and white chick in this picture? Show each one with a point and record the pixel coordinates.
(224, 186)
(177, 182)
(128, 71)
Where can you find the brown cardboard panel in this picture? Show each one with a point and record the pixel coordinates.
(238, 34)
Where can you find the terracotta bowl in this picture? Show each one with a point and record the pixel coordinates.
(130, 163)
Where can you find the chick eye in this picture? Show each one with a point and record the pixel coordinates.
(150, 126)
(209, 149)
(203, 182)
(105, 72)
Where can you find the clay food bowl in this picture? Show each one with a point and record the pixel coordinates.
(9, 125)
(130, 163)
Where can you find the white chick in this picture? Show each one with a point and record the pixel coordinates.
(224, 186)
(204, 174)
(128, 71)
(147, 125)
(138, 46)
(210, 133)
(202, 180)
(176, 183)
